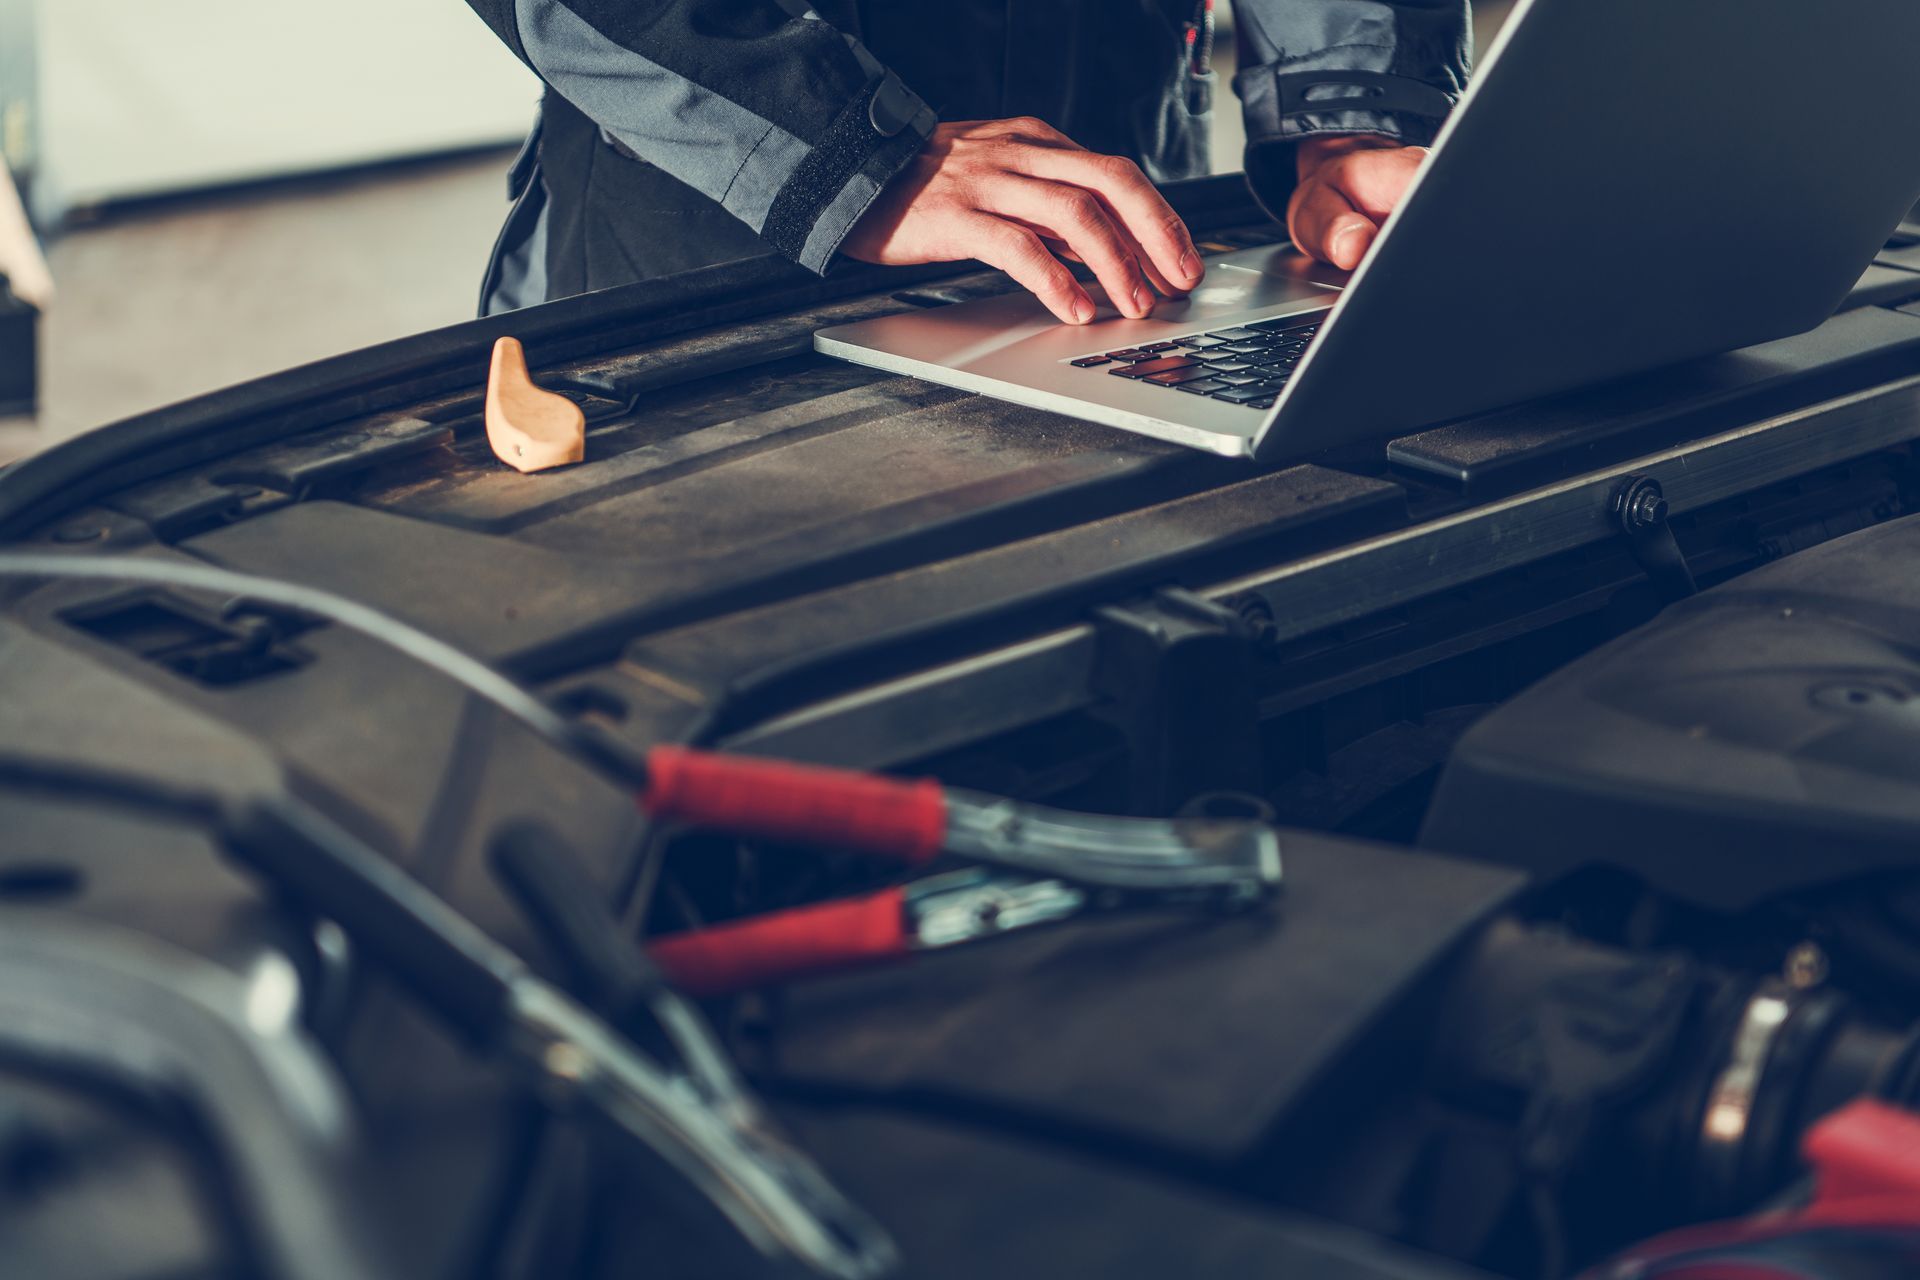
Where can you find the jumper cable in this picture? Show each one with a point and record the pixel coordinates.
(1202, 862)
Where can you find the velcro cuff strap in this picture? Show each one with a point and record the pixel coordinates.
(862, 127)
(1366, 91)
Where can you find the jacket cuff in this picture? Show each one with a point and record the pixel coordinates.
(1312, 97)
(870, 141)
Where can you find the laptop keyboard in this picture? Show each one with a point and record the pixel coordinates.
(1247, 366)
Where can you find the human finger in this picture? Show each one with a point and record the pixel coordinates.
(1325, 225)
(1143, 212)
(1078, 217)
(1020, 253)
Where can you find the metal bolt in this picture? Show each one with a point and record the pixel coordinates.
(1806, 966)
(1641, 504)
(564, 1062)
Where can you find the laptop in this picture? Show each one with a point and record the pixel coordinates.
(1627, 184)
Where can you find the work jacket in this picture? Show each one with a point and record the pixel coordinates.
(678, 133)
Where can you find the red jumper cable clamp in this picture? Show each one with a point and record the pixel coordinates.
(879, 928)
(1041, 866)
(1203, 861)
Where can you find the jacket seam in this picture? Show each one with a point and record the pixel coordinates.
(746, 160)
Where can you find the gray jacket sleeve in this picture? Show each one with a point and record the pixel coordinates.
(1311, 67)
(791, 125)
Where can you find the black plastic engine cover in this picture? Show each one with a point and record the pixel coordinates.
(962, 1202)
(1759, 739)
(1181, 1035)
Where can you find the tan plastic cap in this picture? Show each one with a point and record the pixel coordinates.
(530, 429)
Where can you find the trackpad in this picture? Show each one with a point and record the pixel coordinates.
(1287, 263)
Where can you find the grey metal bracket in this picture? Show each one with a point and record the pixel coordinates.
(1173, 674)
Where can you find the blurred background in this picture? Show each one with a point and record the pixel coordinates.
(211, 190)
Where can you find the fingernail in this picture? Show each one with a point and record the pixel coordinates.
(1082, 309)
(1190, 264)
(1344, 238)
(1142, 299)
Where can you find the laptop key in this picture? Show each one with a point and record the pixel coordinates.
(1242, 395)
(1228, 366)
(1155, 346)
(1237, 379)
(1147, 368)
(1129, 353)
(1287, 324)
(1233, 335)
(1202, 386)
(1201, 342)
(1173, 377)
(1088, 362)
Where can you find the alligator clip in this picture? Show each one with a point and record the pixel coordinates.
(694, 1109)
(1205, 862)
(932, 914)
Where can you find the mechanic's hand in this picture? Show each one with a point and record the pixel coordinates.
(1020, 195)
(1348, 186)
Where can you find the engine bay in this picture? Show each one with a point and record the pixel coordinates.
(1585, 729)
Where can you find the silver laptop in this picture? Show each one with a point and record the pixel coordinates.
(1627, 184)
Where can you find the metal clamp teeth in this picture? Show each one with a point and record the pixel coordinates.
(1229, 862)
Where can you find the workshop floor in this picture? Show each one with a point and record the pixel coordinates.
(168, 301)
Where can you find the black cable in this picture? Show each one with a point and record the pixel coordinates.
(1863, 928)
(130, 790)
(610, 975)
(1549, 1231)
(462, 668)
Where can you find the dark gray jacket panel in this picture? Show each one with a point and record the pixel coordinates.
(782, 119)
